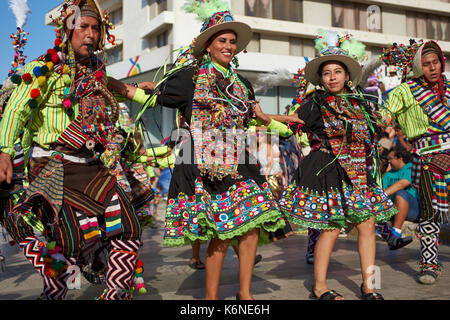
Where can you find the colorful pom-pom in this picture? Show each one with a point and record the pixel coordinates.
(66, 69)
(26, 77)
(58, 41)
(42, 80)
(67, 103)
(32, 103)
(55, 58)
(99, 75)
(37, 71)
(35, 93)
(16, 79)
(44, 70)
(51, 52)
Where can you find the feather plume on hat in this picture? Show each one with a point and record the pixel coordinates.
(204, 9)
(21, 10)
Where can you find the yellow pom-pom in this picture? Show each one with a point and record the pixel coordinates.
(66, 69)
(49, 65)
(42, 80)
(139, 270)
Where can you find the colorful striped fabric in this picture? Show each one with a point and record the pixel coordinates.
(48, 120)
(402, 106)
(89, 225)
(49, 184)
(437, 111)
(113, 217)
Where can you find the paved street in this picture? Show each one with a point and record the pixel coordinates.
(281, 275)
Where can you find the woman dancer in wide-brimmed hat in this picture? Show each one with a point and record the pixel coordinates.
(211, 198)
(334, 184)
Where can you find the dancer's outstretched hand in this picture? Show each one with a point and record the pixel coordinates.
(293, 118)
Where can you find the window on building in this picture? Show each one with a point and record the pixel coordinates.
(114, 55)
(290, 10)
(349, 15)
(162, 39)
(157, 40)
(255, 43)
(116, 16)
(425, 25)
(161, 5)
(301, 47)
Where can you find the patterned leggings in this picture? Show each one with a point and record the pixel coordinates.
(121, 260)
(428, 234)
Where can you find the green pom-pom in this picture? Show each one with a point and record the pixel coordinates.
(32, 103)
(44, 70)
(48, 57)
(142, 291)
(16, 79)
(51, 245)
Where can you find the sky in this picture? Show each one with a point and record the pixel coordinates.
(40, 39)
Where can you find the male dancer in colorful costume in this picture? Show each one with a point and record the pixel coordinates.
(72, 198)
(422, 108)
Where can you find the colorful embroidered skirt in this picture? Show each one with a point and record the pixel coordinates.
(322, 197)
(200, 209)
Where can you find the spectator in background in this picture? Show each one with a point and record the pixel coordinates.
(391, 81)
(397, 185)
(373, 91)
(401, 139)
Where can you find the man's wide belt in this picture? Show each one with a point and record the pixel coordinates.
(430, 144)
(38, 152)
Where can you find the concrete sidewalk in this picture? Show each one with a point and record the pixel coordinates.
(281, 275)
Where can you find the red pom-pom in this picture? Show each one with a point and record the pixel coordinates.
(55, 58)
(139, 264)
(35, 93)
(99, 75)
(51, 51)
(26, 77)
(58, 41)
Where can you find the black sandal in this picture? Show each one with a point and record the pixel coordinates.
(329, 295)
(370, 296)
(197, 265)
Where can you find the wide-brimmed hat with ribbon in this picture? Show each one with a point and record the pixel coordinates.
(333, 47)
(426, 48)
(216, 17)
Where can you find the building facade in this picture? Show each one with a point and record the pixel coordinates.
(148, 33)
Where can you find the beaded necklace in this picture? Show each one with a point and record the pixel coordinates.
(349, 137)
(221, 110)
